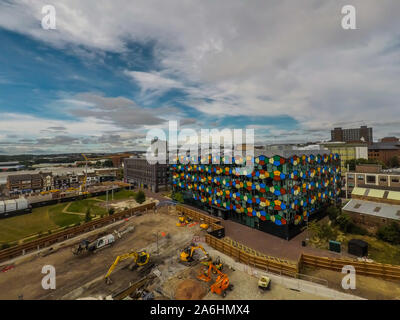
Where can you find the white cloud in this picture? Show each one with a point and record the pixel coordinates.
(230, 54)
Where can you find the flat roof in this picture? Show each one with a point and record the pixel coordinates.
(358, 191)
(376, 193)
(372, 208)
(394, 195)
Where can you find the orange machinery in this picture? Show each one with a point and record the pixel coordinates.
(221, 284)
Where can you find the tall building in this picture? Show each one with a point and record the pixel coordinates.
(352, 135)
(277, 196)
(140, 173)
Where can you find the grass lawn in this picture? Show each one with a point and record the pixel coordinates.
(82, 205)
(46, 218)
(40, 220)
(120, 195)
(378, 250)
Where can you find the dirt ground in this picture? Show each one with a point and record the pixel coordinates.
(245, 287)
(366, 287)
(81, 276)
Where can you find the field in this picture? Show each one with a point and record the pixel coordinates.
(120, 195)
(43, 219)
(378, 250)
(46, 218)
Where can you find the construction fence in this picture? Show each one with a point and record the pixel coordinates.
(249, 256)
(217, 230)
(372, 269)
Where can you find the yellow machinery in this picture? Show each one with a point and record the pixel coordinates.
(139, 259)
(186, 256)
(264, 283)
(183, 221)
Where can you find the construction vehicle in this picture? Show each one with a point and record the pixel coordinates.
(183, 221)
(87, 246)
(264, 283)
(204, 226)
(139, 259)
(221, 284)
(186, 256)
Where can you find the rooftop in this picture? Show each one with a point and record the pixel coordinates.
(372, 208)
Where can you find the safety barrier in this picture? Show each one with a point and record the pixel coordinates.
(372, 269)
(261, 262)
(217, 229)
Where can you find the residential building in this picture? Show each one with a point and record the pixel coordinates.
(47, 181)
(142, 174)
(370, 176)
(61, 182)
(277, 196)
(24, 183)
(385, 150)
(347, 151)
(363, 134)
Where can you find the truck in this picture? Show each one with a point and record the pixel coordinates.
(87, 246)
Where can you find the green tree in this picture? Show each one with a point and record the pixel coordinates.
(140, 197)
(177, 196)
(108, 164)
(111, 211)
(394, 162)
(344, 222)
(88, 217)
(333, 212)
(353, 162)
(390, 233)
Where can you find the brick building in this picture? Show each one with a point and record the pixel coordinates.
(385, 150)
(352, 135)
(24, 183)
(370, 176)
(142, 174)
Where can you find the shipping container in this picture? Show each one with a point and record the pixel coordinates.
(11, 205)
(22, 203)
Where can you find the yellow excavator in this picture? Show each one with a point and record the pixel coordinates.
(139, 259)
(183, 221)
(186, 256)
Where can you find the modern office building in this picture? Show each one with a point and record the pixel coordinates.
(281, 192)
(140, 173)
(347, 151)
(363, 134)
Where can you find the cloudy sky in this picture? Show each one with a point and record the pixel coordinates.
(112, 70)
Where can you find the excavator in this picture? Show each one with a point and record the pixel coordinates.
(221, 284)
(183, 221)
(186, 256)
(139, 259)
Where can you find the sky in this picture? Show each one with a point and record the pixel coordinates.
(113, 70)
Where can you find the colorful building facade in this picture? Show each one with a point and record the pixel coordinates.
(277, 196)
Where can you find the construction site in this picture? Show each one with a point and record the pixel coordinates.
(156, 250)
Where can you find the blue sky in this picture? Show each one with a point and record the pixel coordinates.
(106, 76)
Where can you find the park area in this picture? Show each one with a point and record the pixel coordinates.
(48, 219)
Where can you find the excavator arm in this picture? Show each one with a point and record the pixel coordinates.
(140, 258)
